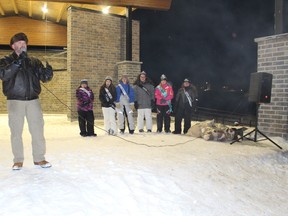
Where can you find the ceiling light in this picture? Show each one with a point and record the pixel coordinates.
(105, 10)
(44, 8)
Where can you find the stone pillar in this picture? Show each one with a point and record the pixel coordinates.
(273, 58)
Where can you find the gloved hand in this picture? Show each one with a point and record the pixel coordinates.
(85, 103)
(132, 106)
(118, 105)
(21, 58)
(48, 68)
(136, 105)
(23, 55)
(162, 101)
(48, 73)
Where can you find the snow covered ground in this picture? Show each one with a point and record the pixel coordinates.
(142, 175)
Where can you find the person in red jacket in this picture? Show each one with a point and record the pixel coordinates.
(163, 95)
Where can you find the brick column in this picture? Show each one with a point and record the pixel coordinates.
(130, 68)
(273, 58)
(95, 44)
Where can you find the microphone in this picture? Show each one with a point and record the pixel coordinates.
(23, 49)
(23, 53)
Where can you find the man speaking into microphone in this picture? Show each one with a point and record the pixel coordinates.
(21, 76)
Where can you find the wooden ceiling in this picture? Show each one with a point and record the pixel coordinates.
(57, 9)
(27, 16)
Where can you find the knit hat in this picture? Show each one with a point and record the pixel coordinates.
(84, 81)
(163, 77)
(186, 80)
(126, 77)
(18, 37)
(108, 78)
(143, 73)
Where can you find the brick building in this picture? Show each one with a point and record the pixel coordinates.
(273, 59)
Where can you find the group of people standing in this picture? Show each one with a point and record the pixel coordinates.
(121, 101)
(21, 76)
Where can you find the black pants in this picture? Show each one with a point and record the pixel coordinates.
(180, 114)
(86, 122)
(163, 114)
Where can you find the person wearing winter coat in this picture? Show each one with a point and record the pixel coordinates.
(21, 75)
(125, 104)
(184, 106)
(163, 95)
(85, 99)
(107, 96)
(144, 100)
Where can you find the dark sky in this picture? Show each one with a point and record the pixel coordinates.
(205, 40)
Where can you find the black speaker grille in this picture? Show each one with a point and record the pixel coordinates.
(260, 87)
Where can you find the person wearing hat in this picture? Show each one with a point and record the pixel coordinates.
(125, 104)
(21, 76)
(163, 95)
(107, 97)
(144, 100)
(85, 99)
(184, 106)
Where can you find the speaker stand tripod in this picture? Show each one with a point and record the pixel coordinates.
(256, 130)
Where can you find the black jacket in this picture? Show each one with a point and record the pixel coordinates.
(104, 98)
(182, 101)
(22, 82)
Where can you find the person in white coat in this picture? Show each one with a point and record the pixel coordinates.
(107, 96)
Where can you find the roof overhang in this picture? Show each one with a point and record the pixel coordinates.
(145, 4)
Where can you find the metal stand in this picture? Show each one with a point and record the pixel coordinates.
(256, 130)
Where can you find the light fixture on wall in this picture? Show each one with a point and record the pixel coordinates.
(105, 10)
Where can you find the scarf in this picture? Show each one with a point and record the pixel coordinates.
(164, 93)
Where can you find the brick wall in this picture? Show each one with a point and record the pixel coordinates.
(128, 68)
(95, 44)
(57, 86)
(273, 58)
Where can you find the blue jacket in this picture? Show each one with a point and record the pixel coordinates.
(129, 90)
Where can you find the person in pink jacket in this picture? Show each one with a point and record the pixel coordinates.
(163, 95)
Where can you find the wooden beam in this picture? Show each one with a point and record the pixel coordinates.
(61, 12)
(15, 7)
(30, 9)
(145, 4)
(2, 11)
(122, 12)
